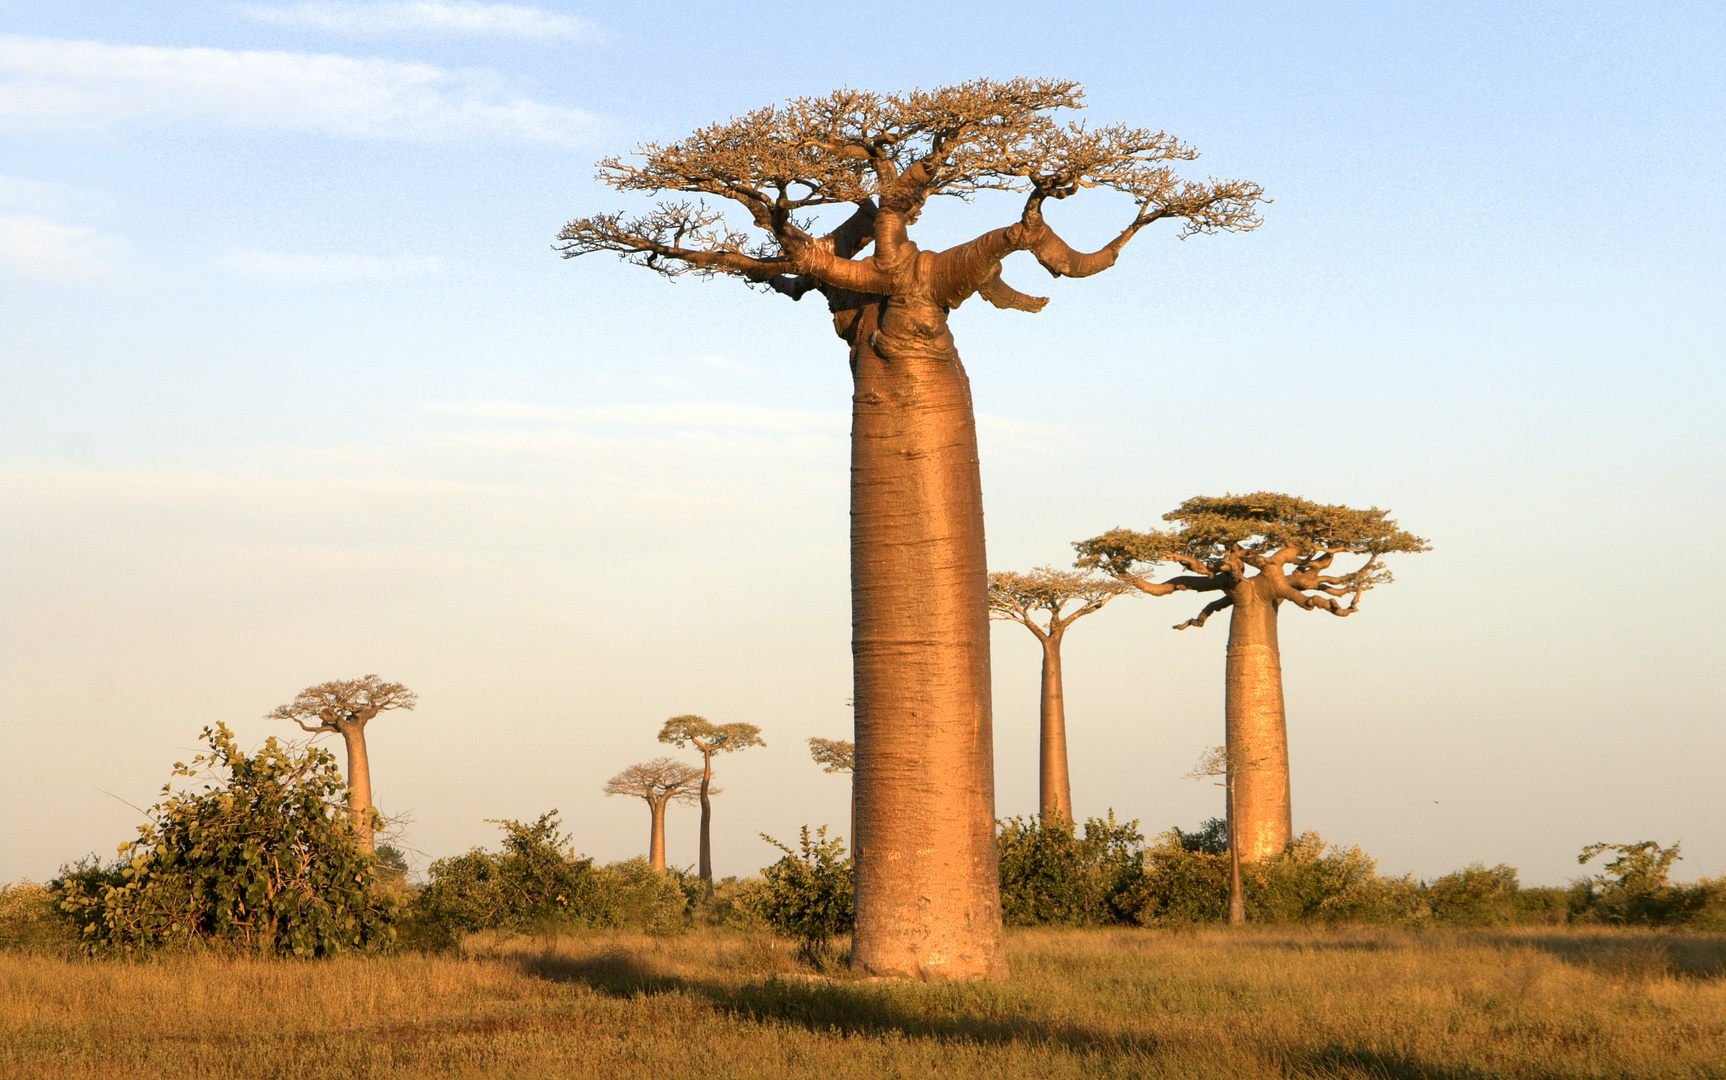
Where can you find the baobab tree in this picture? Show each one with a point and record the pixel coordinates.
(839, 756)
(1035, 601)
(928, 899)
(709, 739)
(660, 781)
(1217, 761)
(1288, 544)
(345, 707)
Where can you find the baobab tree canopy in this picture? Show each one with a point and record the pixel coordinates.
(1217, 539)
(833, 755)
(888, 153)
(332, 705)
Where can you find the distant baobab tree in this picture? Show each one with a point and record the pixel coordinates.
(710, 739)
(660, 781)
(1035, 601)
(928, 890)
(345, 706)
(839, 756)
(1287, 543)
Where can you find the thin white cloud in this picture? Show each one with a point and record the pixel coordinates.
(37, 248)
(337, 266)
(437, 16)
(51, 83)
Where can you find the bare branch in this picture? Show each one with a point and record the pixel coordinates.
(1219, 604)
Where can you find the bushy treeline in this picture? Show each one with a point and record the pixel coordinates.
(264, 857)
(1106, 873)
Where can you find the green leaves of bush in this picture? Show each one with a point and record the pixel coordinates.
(262, 857)
(807, 895)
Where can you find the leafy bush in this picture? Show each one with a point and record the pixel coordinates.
(263, 857)
(536, 883)
(31, 920)
(1476, 895)
(631, 894)
(1637, 889)
(1052, 876)
(807, 895)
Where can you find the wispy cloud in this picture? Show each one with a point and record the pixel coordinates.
(48, 197)
(37, 248)
(47, 82)
(338, 266)
(437, 16)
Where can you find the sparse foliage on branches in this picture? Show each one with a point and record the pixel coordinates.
(1259, 551)
(709, 739)
(346, 706)
(1037, 601)
(658, 782)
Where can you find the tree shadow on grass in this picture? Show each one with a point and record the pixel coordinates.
(1638, 956)
(840, 1006)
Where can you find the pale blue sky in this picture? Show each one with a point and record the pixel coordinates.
(294, 389)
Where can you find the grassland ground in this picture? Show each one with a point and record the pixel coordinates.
(1264, 1002)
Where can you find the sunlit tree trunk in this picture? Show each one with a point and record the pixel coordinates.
(928, 899)
(1055, 790)
(359, 782)
(1257, 733)
(656, 834)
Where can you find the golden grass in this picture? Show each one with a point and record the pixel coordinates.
(1436, 1005)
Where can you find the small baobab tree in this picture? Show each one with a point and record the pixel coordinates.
(345, 707)
(839, 756)
(1217, 761)
(709, 739)
(660, 781)
(1259, 551)
(1036, 601)
(928, 888)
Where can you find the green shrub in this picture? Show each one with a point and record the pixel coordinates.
(536, 883)
(1185, 880)
(1635, 888)
(263, 857)
(1052, 876)
(1476, 895)
(632, 895)
(807, 895)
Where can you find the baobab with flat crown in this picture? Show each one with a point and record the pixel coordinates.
(346, 706)
(1288, 543)
(1035, 601)
(928, 899)
(658, 782)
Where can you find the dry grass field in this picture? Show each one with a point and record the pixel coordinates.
(1434, 1005)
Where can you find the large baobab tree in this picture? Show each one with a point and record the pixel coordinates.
(1259, 551)
(839, 756)
(660, 781)
(928, 900)
(345, 707)
(709, 739)
(1035, 601)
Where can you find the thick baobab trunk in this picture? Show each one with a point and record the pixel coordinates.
(656, 835)
(928, 891)
(1055, 791)
(1257, 733)
(359, 783)
(706, 864)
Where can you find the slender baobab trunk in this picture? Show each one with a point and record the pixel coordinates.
(706, 864)
(1257, 733)
(656, 834)
(1055, 790)
(1237, 896)
(928, 891)
(359, 783)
